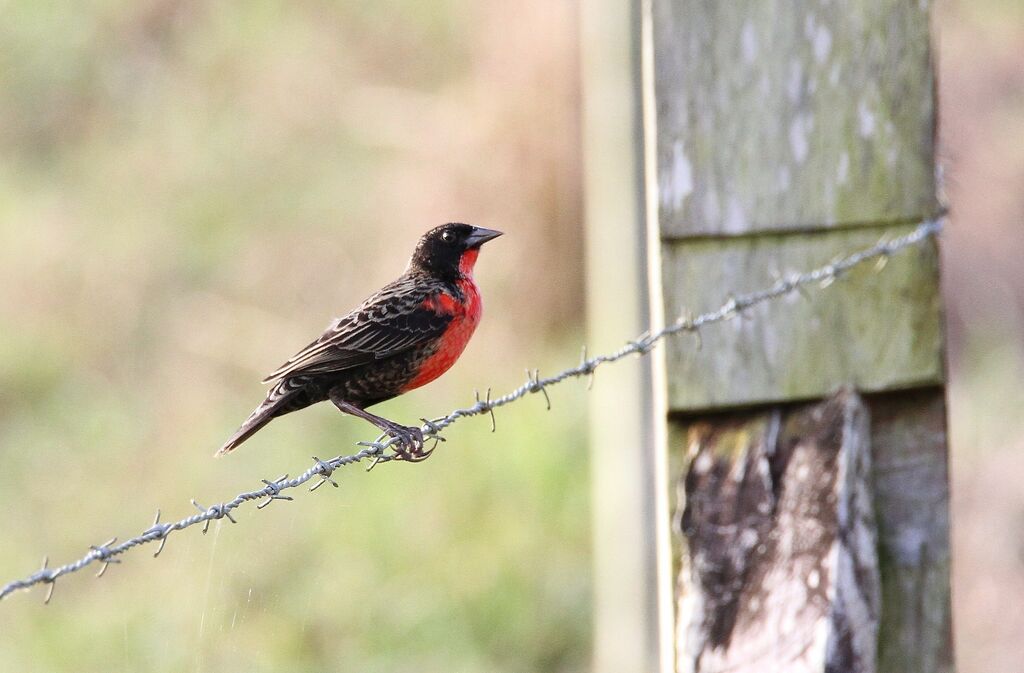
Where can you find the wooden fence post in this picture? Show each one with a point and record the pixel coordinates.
(811, 526)
(625, 503)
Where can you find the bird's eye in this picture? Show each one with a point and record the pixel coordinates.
(448, 236)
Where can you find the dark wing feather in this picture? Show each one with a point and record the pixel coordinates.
(389, 322)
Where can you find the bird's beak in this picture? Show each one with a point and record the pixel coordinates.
(481, 236)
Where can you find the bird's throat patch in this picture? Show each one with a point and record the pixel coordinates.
(468, 261)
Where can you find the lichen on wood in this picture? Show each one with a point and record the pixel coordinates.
(783, 115)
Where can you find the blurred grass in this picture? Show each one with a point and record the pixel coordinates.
(189, 191)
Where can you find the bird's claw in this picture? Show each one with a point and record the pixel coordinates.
(410, 443)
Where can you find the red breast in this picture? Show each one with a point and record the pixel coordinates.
(465, 317)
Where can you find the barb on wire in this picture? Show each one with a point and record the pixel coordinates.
(275, 492)
(484, 406)
(377, 450)
(103, 555)
(161, 530)
(325, 471)
(586, 368)
(536, 386)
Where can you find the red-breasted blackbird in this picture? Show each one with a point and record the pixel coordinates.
(404, 336)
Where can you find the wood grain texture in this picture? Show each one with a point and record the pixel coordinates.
(911, 481)
(874, 330)
(789, 134)
(787, 115)
(777, 565)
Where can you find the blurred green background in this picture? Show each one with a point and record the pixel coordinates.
(190, 190)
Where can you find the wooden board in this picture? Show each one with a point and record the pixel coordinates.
(874, 330)
(788, 115)
(786, 135)
(777, 566)
(911, 482)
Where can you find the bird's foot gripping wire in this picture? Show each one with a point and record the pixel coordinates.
(408, 439)
(410, 442)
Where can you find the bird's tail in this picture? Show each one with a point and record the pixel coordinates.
(277, 403)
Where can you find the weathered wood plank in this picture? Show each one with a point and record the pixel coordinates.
(875, 331)
(778, 568)
(783, 115)
(911, 481)
(789, 133)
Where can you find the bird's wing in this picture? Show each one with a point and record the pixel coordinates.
(395, 319)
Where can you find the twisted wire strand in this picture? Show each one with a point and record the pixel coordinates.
(107, 553)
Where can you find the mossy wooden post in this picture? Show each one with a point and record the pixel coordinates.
(811, 526)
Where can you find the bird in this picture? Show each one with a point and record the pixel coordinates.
(404, 336)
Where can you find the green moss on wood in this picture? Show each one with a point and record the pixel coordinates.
(877, 330)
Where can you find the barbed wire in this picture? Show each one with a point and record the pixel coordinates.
(377, 450)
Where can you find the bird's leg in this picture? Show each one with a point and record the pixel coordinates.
(410, 438)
